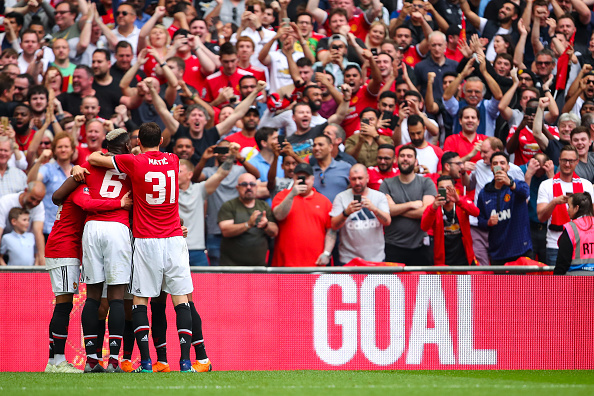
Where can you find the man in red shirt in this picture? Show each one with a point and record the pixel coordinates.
(63, 257)
(359, 24)
(363, 95)
(228, 76)
(197, 66)
(385, 168)
(245, 49)
(246, 137)
(107, 256)
(161, 260)
(467, 143)
(297, 209)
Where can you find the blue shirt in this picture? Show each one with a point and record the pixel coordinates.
(332, 181)
(263, 167)
(20, 248)
(53, 177)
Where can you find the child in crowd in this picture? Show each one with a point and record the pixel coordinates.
(19, 245)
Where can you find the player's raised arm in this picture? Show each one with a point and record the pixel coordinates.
(98, 159)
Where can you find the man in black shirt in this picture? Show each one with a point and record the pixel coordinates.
(82, 85)
(107, 90)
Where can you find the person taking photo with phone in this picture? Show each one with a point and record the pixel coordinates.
(360, 214)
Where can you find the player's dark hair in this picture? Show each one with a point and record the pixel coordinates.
(303, 62)
(181, 64)
(370, 110)
(14, 213)
(461, 112)
(86, 68)
(6, 83)
(149, 135)
(386, 146)
(584, 202)
(118, 144)
(122, 44)
(247, 77)
(388, 94)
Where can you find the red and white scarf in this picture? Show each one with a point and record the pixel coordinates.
(560, 215)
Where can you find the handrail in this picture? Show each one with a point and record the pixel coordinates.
(518, 269)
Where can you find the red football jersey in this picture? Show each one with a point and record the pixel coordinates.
(193, 76)
(108, 184)
(376, 178)
(527, 145)
(260, 74)
(359, 101)
(219, 80)
(65, 239)
(155, 186)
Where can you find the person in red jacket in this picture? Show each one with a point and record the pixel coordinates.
(448, 218)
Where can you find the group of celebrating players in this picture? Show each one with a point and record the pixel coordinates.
(122, 270)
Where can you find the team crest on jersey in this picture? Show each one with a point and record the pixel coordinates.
(355, 100)
(86, 190)
(354, 27)
(506, 198)
(74, 285)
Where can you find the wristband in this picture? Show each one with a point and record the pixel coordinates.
(259, 29)
(326, 253)
(247, 225)
(344, 213)
(163, 64)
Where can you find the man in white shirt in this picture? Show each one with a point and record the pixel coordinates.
(553, 194)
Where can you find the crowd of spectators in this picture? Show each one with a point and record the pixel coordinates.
(439, 132)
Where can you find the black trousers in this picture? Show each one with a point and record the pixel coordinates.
(421, 256)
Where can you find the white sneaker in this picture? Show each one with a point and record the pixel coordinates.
(66, 367)
(50, 368)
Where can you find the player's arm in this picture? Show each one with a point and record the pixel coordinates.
(88, 204)
(37, 230)
(99, 159)
(67, 188)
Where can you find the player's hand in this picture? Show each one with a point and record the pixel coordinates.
(78, 173)
(126, 201)
(323, 260)
(493, 220)
(208, 153)
(469, 166)
(184, 231)
(416, 204)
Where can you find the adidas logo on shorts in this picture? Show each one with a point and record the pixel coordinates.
(145, 338)
(90, 343)
(182, 341)
(113, 343)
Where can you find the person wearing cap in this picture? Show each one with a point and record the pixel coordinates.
(452, 51)
(305, 236)
(246, 138)
(246, 223)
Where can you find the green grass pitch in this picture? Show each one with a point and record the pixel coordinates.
(360, 383)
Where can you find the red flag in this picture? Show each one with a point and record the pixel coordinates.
(563, 66)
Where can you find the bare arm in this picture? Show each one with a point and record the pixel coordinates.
(99, 159)
(541, 139)
(37, 230)
(170, 123)
(503, 106)
(148, 26)
(418, 212)
(582, 9)
(314, 9)
(473, 18)
(242, 108)
(453, 87)
(430, 106)
(520, 46)
(213, 182)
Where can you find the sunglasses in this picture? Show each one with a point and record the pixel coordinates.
(124, 13)
(544, 62)
(337, 47)
(45, 143)
(246, 184)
